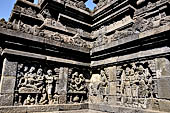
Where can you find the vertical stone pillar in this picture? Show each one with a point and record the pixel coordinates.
(163, 84)
(7, 83)
(62, 87)
(111, 72)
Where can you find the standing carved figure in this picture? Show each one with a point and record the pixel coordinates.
(49, 81)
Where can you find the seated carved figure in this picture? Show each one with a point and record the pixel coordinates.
(22, 77)
(29, 100)
(39, 82)
(77, 83)
(80, 83)
(28, 80)
(31, 78)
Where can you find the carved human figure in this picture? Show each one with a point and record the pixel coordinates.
(127, 88)
(23, 77)
(29, 100)
(94, 83)
(56, 99)
(104, 80)
(73, 83)
(149, 83)
(26, 79)
(49, 81)
(135, 89)
(80, 83)
(20, 72)
(142, 82)
(30, 78)
(39, 79)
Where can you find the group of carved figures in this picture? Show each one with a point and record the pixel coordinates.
(35, 87)
(77, 88)
(135, 85)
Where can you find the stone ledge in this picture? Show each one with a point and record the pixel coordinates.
(138, 55)
(42, 108)
(25, 36)
(42, 57)
(132, 38)
(119, 109)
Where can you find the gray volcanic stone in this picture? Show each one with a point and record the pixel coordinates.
(164, 88)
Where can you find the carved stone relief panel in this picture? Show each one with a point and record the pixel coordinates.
(77, 86)
(36, 84)
(25, 10)
(99, 87)
(136, 83)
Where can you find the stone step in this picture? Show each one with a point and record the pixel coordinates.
(74, 111)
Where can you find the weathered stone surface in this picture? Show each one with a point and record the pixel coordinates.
(164, 105)
(62, 99)
(112, 100)
(63, 80)
(43, 108)
(163, 67)
(153, 104)
(111, 73)
(115, 57)
(113, 89)
(164, 88)
(8, 84)
(9, 68)
(6, 99)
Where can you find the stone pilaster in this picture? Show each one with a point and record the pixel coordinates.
(63, 76)
(7, 84)
(111, 72)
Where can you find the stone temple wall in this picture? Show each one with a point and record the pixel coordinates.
(58, 55)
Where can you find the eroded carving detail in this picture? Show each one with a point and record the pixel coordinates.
(35, 86)
(77, 89)
(136, 84)
(98, 88)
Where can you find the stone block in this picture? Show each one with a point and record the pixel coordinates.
(13, 109)
(49, 108)
(153, 104)
(9, 68)
(6, 99)
(112, 100)
(164, 105)
(63, 75)
(128, 110)
(70, 107)
(111, 73)
(7, 84)
(164, 88)
(163, 67)
(95, 99)
(112, 86)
